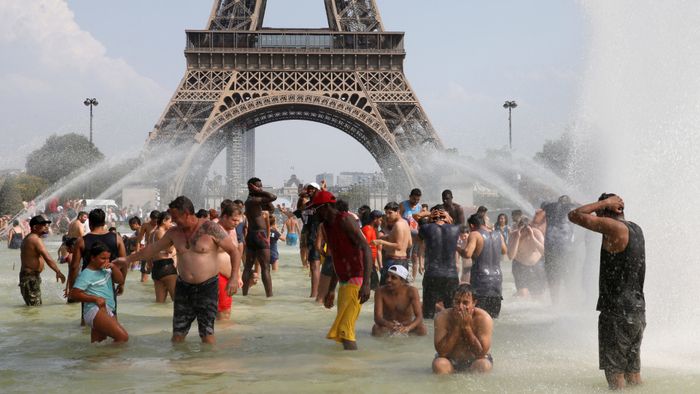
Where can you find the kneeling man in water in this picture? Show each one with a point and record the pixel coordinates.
(463, 336)
(397, 308)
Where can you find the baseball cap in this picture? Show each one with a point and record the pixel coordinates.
(314, 185)
(323, 197)
(376, 214)
(36, 220)
(399, 270)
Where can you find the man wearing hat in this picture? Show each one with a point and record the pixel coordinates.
(352, 260)
(33, 254)
(397, 308)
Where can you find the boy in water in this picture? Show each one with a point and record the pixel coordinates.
(95, 288)
(274, 237)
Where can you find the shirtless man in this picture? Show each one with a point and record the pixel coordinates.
(197, 242)
(455, 210)
(397, 307)
(526, 248)
(229, 220)
(292, 227)
(76, 228)
(258, 238)
(463, 336)
(145, 234)
(33, 253)
(412, 211)
(397, 242)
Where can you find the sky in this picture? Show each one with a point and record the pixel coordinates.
(464, 59)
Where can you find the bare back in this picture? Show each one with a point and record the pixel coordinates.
(76, 229)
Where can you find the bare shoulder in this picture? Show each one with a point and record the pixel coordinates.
(482, 320)
(214, 230)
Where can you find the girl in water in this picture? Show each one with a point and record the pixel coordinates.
(95, 288)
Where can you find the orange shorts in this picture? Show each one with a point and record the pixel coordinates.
(225, 301)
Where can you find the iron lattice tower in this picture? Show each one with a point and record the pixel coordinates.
(240, 76)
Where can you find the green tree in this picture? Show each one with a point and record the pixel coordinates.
(557, 154)
(10, 197)
(61, 155)
(30, 186)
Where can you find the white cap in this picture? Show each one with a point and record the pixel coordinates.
(399, 270)
(314, 185)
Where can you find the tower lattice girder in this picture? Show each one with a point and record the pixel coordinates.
(350, 76)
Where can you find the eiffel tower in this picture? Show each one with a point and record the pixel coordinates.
(241, 76)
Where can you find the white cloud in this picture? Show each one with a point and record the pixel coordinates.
(52, 64)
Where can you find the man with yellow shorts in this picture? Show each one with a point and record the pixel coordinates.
(352, 260)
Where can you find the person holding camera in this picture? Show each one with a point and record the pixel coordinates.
(526, 248)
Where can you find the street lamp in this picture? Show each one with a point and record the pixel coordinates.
(90, 102)
(510, 105)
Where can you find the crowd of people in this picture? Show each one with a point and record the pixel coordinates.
(200, 259)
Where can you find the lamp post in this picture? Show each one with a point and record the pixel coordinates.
(509, 105)
(90, 102)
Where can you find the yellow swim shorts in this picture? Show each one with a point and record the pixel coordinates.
(343, 327)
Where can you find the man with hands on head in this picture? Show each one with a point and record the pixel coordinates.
(197, 242)
(463, 336)
(621, 301)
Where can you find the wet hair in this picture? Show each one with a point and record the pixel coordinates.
(524, 221)
(98, 248)
(238, 202)
(228, 208)
(254, 180)
(163, 217)
(342, 206)
(416, 192)
(154, 214)
(476, 220)
(15, 222)
(202, 213)
(363, 212)
(70, 242)
(446, 192)
(81, 213)
(565, 199)
(516, 212)
(438, 207)
(183, 204)
(464, 288)
(424, 205)
(482, 210)
(96, 217)
(499, 218)
(392, 206)
(609, 212)
(135, 220)
(463, 229)
(213, 214)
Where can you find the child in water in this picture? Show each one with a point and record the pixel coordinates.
(95, 288)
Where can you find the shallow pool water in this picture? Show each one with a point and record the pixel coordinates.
(279, 345)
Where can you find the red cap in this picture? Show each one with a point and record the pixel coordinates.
(322, 197)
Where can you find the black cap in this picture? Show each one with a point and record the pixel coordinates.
(36, 220)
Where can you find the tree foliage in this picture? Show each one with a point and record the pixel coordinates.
(30, 186)
(557, 154)
(61, 155)
(10, 197)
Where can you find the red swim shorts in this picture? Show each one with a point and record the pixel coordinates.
(225, 300)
